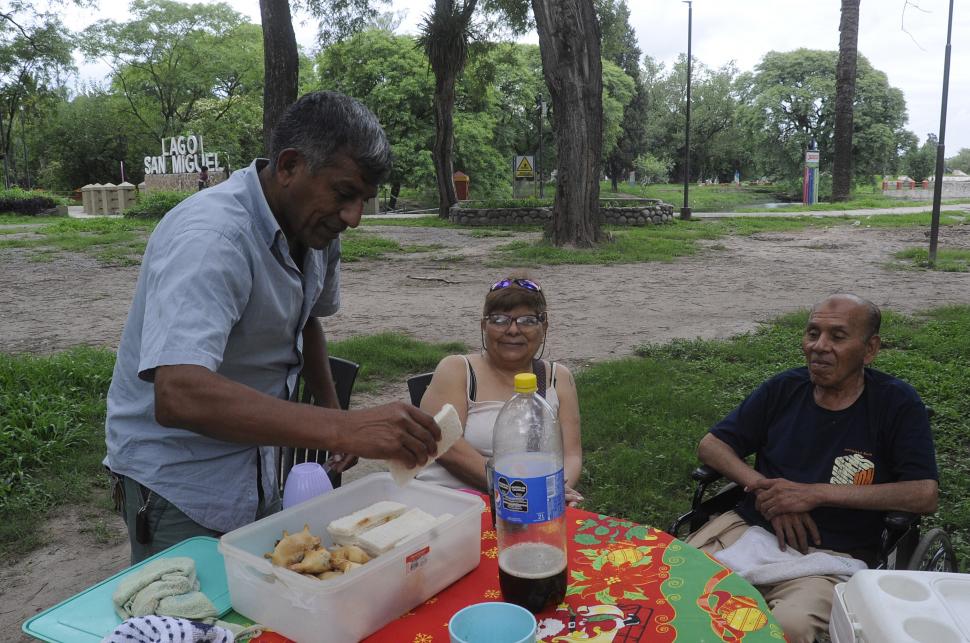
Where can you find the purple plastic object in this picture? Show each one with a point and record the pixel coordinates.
(306, 480)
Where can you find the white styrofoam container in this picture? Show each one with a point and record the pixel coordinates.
(350, 607)
(880, 606)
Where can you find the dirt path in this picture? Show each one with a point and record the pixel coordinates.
(596, 313)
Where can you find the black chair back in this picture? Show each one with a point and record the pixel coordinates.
(344, 374)
(417, 385)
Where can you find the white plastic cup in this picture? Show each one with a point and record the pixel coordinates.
(492, 623)
(306, 480)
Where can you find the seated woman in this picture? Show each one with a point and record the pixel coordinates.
(514, 325)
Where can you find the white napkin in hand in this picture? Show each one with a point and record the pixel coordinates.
(450, 425)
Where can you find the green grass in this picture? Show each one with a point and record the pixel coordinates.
(946, 260)
(356, 245)
(860, 202)
(52, 424)
(389, 358)
(19, 219)
(436, 222)
(750, 198)
(110, 241)
(643, 416)
(51, 438)
(430, 221)
(707, 198)
(680, 238)
(122, 241)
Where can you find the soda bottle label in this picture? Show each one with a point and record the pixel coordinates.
(528, 500)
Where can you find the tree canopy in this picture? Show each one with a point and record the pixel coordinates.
(793, 101)
(175, 62)
(178, 68)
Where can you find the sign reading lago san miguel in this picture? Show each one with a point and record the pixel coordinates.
(182, 155)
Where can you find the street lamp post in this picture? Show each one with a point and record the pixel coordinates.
(540, 104)
(938, 184)
(23, 137)
(685, 211)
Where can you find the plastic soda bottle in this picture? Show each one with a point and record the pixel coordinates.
(529, 492)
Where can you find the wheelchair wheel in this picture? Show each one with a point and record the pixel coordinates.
(934, 553)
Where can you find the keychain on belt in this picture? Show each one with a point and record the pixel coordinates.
(142, 535)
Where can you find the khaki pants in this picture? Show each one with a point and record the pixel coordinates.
(802, 606)
(164, 523)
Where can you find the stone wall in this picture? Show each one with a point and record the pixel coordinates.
(653, 213)
(188, 182)
(951, 190)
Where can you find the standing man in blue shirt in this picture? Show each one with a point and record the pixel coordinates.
(836, 445)
(224, 319)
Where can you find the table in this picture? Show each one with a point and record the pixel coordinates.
(628, 583)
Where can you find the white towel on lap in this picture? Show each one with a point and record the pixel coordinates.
(756, 557)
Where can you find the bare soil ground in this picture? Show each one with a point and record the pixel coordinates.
(596, 313)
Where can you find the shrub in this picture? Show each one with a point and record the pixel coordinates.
(530, 202)
(20, 201)
(154, 205)
(650, 169)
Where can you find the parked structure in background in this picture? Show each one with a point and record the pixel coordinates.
(955, 186)
(108, 198)
(461, 185)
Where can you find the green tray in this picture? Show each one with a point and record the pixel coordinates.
(90, 615)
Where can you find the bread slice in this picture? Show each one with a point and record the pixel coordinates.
(380, 539)
(450, 425)
(346, 530)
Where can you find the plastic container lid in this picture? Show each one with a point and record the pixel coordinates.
(526, 383)
(902, 606)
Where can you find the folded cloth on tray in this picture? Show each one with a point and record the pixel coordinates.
(756, 557)
(166, 587)
(152, 629)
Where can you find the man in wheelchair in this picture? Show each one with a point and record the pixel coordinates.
(836, 446)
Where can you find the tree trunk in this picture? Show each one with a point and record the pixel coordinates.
(845, 73)
(281, 61)
(444, 142)
(569, 42)
(395, 193)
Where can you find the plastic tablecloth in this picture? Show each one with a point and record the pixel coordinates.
(627, 583)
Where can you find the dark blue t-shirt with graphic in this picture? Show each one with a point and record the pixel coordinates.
(883, 437)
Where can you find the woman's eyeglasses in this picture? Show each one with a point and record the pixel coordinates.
(528, 284)
(522, 321)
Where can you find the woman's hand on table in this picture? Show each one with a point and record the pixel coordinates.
(573, 497)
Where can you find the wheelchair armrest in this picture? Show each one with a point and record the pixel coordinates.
(705, 475)
(900, 520)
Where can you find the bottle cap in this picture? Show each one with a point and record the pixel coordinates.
(526, 383)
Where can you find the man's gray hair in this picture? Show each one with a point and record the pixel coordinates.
(873, 314)
(321, 125)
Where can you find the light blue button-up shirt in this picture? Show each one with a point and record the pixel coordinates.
(219, 289)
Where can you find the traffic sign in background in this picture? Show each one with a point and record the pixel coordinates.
(525, 167)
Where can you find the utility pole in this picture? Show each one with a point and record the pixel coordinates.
(685, 211)
(540, 104)
(938, 185)
(23, 137)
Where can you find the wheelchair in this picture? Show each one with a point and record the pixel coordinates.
(902, 545)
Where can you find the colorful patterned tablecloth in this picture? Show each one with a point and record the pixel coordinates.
(628, 583)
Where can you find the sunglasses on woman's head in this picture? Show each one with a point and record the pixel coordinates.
(528, 284)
